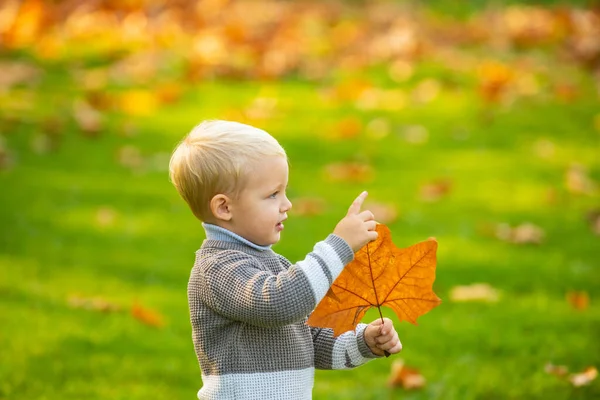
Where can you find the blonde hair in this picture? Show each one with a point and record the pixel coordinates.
(214, 158)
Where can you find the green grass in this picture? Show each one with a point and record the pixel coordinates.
(465, 8)
(52, 245)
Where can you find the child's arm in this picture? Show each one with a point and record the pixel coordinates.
(238, 287)
(354, 348)
(348, 350)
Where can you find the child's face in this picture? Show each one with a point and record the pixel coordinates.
(259, 211)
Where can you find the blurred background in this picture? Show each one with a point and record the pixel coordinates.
(474, 122)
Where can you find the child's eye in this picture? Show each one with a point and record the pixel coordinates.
(273, 195)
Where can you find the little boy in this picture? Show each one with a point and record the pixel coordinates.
(248, 304)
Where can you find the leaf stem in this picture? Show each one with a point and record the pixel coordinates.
(373, 282)
(375, 290)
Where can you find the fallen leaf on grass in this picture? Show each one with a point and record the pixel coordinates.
(158, 162)
(128, 129)
(527, 84)
(475, 292)
(308, 206)
(261, 108)
(435, 190)
(381, 275)
(544, 148)
(381, 99)
(566, 92)
(426, 91)
(557, 370)
(495, 79)
(349, 90)
(404, 377)
(349, 172)
(147, 316)
(577, 379)
(527, 233)
(584, 378)
(42, 144)
(415, 134)
(54, 126)
(378, 128)
(169, 93)
(579, 300)
(347, 128)
(521, 234)
(15, 72)
(50, 136)
(92, 303)
(6, 158)
(130, 157)
(577, 180)
(106, 216)
(93, 79)
(99, 100)
(585, 42)
(136, 68)
(593, 218)
(529, 26)
(87, 117)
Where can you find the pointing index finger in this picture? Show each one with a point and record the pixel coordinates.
(357, 204)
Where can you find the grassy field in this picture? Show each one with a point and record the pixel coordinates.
(96, 218)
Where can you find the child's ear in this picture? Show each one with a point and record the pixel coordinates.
(220, 207)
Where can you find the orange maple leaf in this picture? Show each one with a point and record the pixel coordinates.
(381, 275)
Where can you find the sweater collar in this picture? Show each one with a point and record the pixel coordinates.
(214, 232)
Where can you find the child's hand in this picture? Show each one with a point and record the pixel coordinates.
(381, 336)
(357, 228)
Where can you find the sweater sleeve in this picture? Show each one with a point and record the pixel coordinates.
(236, 286)
(349, 350)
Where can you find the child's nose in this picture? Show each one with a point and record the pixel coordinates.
(287, 205)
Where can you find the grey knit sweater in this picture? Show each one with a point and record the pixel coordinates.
(248, 309)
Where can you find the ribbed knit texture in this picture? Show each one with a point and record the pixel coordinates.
(248, 309)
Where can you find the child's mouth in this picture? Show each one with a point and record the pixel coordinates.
(279, 226)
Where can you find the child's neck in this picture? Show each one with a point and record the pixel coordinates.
(215, 232)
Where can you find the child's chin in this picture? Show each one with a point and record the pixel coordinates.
(272, 240)
(276, 238)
